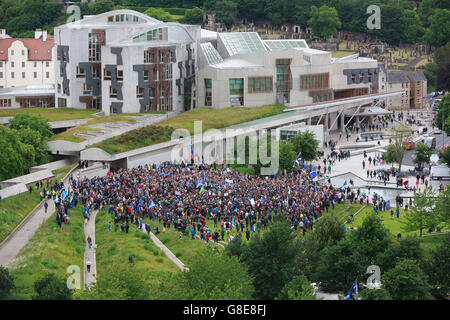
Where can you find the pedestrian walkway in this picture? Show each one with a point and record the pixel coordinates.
(89, 253)
(12, 245)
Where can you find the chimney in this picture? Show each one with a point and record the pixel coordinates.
(2, 34)
(44, 35)
(37, 33)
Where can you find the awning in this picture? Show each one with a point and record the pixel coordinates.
(370, 111)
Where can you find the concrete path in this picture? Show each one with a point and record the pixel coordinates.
(12, 245)
(89, 253)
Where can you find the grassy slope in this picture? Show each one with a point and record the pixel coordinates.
(116, 247)
(68, 135)
(14, 209)
(51, 114)
(211, 118)
(51, 249)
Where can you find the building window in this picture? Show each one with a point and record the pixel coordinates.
(168, 72)
(12, 64)
(12, 52)
(152, 92)
(314, 81)
(208, 98)
(146, 75)
(47, 64)
(86, 90)
(1, 75)
(43, 103)
(12, 75)
(112, 92)
(161, 56)
(81, 73)
(23, 75)
(23, 64)
(111, 19)
(149, 57)
(59, 88)
(47, 75)
(94, 47)
(35, 74)
(106, 74)
(262, 84)
(208, 83)
(5, 102)
(119, 75)
(237, 86)
(139, 92)
(1, 64)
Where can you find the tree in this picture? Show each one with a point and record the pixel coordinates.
(299, 288)
(444, 112)
(11, 162)
(422, 154)
(270, 259)
(324, 21)
(119, 282)
(6, 284)
(36, 123)
(442, 204)
(101, 6)
(193, 16)
(287, 156)
(339, 266)
(439, 264)
(446, 156)
(226, 12)
(51, 287)
(212, 275)
(421, 216)
(406, 248)
(159, 14)
(371, 238)
(407, 281)
(395, 151)
(375, 294)
(430, 73)
(443, 77)
(235, 247)
(328, 231)
(439, 30)
(306, 143)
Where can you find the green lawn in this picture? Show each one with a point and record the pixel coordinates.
(51, 249)
(69, 134)
(14, 209)
(211, 118)
(114, 248)
(52, 114)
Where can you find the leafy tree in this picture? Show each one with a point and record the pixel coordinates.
(421, 216)
(119, 282)
(37, 123)
(6, 284)
(226, 12)
(213, 275)
(439, 30)
(306, 143)
(407, 248)
(413, 27)
(51, 287)
(270, 259)
(442, 204)
(324, 21)
(287, 156)
(193, 16)
(430, 73)
(101, 6)
(339, 266)
(372, 237)
(443, 77)
(375, 294)
(11, 162)
(328, 231)
(309, 254)
(158, 13)
(395, 151)
(446, 155)
(422, 154)
(444, 111)
(235, 247)
(439, 264)
(407, 281)
(299, 288)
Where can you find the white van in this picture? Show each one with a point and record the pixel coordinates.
(440, 172)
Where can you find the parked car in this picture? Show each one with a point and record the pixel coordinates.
(408, 145)
(440, 172)
(437, 131)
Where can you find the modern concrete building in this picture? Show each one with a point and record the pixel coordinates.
(26, 61)
(28, 96)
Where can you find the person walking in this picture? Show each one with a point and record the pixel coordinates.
(88, 265)
(45, 206)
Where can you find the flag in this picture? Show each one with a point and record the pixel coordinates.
(298, 160)
(64, 195)
(71, 198)
(200, 184)
(152, 205)
(192, 151)
(313, 173)
(355, 289)
(349, 296)
(202, 189)
(388, 205)
(344, 186)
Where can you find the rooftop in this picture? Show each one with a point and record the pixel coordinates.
(275, 45)
(242, 42)
(211, 54)
(29, 90)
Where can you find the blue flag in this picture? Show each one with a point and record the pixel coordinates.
(344, 186)
(200, 184)
(388, 205)
(152, 205)
(298, 160)
(313, 174)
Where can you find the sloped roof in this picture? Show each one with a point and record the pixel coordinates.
(418, 76)
(276, 45)
(38, 49)
(398, 76)
(242, 42)
(211, 54)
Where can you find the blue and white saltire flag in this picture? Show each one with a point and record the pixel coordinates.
(199, 184)
(355, 289)
(152, 205)
(388, 205)
(344, 186)
(56, 199)
(313, 173)
(298, 160)
(192, 151)
(232, 223)
(64, 195)
(348, 297)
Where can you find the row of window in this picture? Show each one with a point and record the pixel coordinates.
(314, 81)
(47, 75)
(149, 57)
(262, 84)
(23, 52)
(152, 93)
(123, 18)
(47, 64)
(5, 102)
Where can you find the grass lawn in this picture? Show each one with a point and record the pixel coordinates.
(69, 134)
(51, 249)
(52, 114)
(184, 249)
(116, 247)
(14, 209)
(211, 118)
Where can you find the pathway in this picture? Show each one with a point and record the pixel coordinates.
(89, 253)
(12, 245)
